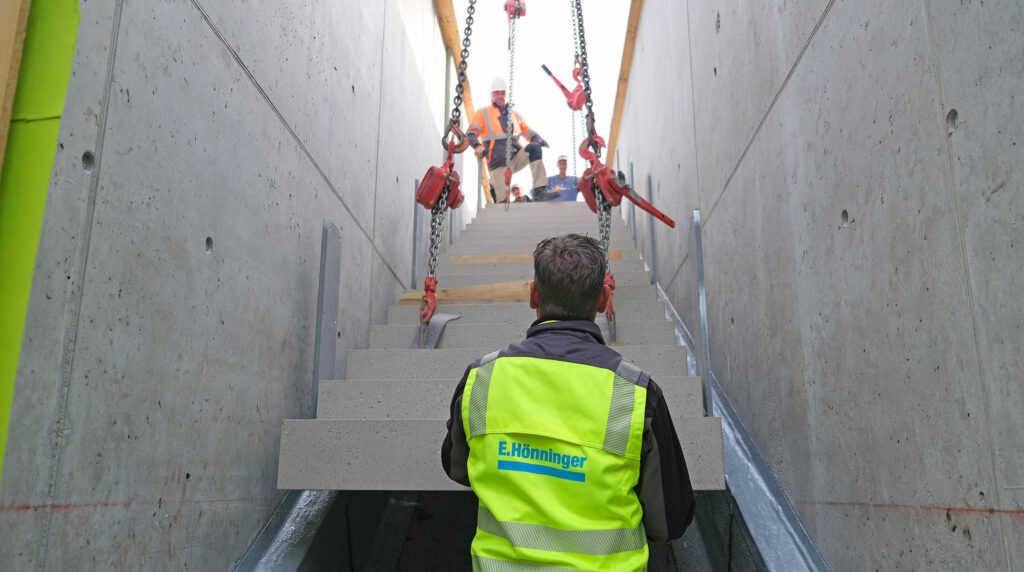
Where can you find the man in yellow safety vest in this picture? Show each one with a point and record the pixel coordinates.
(488, 134)
(569, 448)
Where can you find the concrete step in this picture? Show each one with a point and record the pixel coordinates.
(496, 335)
(463, 280)
(525, 267)
(659, 361)
(567, 208)
(431, 398)
(514, 231)
(538, 230)
(342, 454)
(521, 244)
(623, 292)
(627, 250)
(520, 312)
(540, 212)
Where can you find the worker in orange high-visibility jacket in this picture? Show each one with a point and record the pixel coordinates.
(488, 134)
(569, 448)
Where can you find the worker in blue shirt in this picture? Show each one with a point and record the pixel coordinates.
(568, 186)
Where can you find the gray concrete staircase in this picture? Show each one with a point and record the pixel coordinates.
(381, 427)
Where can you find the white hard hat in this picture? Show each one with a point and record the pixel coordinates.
(498, 84)
(563, 158)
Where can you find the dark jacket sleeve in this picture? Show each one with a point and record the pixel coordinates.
(664, 487)
(455, 449)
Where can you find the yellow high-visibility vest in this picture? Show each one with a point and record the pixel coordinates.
(554, 456)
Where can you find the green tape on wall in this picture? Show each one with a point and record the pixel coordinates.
(31, 143)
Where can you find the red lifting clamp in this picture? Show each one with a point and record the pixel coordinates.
(576, 98)
(613, 187)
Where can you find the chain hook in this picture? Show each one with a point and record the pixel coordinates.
(457, 134)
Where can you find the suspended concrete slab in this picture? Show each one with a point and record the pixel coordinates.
(406, 454)
(463, 280)
(659, 361)
(431, 398)
(525, 267)
(520, 313)
(483, 336)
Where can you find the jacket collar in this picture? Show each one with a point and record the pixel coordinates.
(582, 328)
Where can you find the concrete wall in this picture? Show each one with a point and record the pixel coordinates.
(864, 254)
(171, 321)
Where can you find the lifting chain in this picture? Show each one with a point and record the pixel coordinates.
(576, 55)
(436, 227)
(508, 108)
(459, 89)
(586, 77)
(604, 227)
(440, 188)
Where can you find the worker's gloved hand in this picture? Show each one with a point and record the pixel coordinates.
(479, 151)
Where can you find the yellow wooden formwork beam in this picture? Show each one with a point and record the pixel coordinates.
(449, 24)
(620, 93)
(518, 290)
(13, 21)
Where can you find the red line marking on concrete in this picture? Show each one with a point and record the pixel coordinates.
(936, 508)
(125, 504)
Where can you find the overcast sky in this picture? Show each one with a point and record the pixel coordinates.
(544, 36)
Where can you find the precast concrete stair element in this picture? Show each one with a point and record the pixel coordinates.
(389, 454)
(625, 247)
(622, 291)
(519, 313)
(457, 335)
(463, 280)
(525, 268)
(375, 399)
(659, 361)
(381, 428)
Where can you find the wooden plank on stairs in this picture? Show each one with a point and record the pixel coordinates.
(500, 292)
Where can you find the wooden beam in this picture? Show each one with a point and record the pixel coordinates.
(13, 21)
(620, 93)
(449, 24)
(500, 292)
(520, 257)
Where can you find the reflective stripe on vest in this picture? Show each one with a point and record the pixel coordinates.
(484, 564)
(478, 398)
(539, 537)
(620, 413)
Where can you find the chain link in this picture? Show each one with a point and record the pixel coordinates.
(604, 224)
(459, 89)
(586, 74)
(508, 104)
(576, 55)
(436, 226)
(437, 212)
